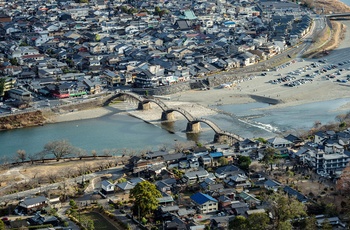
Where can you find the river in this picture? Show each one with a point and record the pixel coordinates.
(347, 2)
(118, 131)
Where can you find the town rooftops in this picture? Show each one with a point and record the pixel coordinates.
(201, 198)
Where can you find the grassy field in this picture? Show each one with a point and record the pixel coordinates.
(100, 222)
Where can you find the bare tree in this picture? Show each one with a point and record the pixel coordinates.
(21, 154)
(32, 158)
(80, 153)
(41, 156)
(179, 147)
(59, 149)
(107, 152)
(94, 153)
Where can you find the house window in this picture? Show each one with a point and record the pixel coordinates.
(210, 204)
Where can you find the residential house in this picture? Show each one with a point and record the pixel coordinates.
(248, 198)
(227, 171)
(195, 176)
(204, 203)
(239, 182)
(31, 204)
(107, 187)
(20, 95)
(247, 146)
(239, 208)
(272, 185)
(292, 192)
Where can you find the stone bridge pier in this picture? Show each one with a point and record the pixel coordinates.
(144, 105)
(223, 139)
(193, 127)
(168, 116)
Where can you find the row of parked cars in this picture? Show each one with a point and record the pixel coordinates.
(298, 82)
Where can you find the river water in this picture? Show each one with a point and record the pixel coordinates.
(118, 131)
(347, 2)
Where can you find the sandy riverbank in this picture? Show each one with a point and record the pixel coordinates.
(200, 103)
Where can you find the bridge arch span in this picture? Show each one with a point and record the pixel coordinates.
(193, 122)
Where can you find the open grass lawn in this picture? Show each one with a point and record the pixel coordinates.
(100, 222)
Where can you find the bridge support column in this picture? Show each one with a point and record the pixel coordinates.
(168, 116)
(144, 106)
(193, 127)
(222, 139)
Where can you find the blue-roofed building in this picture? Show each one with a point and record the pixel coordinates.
(204, 203)
(215, 156)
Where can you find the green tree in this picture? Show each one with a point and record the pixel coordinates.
(258, 221)
(310, 223)
(73, 204)
(145, 196)
(244, 162)
(23, 43)
(2, 225)
(156, 10)
(87, 223)
(59, 149)
(97, 37)
(238, 223)
(284, 209)
(2, 86)
(326, 225)
(13, 61)
(269, 157)
(223, 161)
(261, 140)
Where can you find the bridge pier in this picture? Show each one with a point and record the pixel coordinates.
(193, 127)
(223, 139)
(144, 105)
(168, 116)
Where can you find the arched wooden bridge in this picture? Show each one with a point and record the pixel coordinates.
(193, 124)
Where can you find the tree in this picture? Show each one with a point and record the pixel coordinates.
(269, 157)
(326, 225)
(13, 61)
(244, 162)
(21, 154)
(2, 86)
(145, 196)
(284, 209)
(343, 183)
(310, 223)
(261, 140)
(223, 161)
(258, 221)
(2, 225)
(59, 149)
(97, 37)
(239, 222)
(80, 153)
(87, 223)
